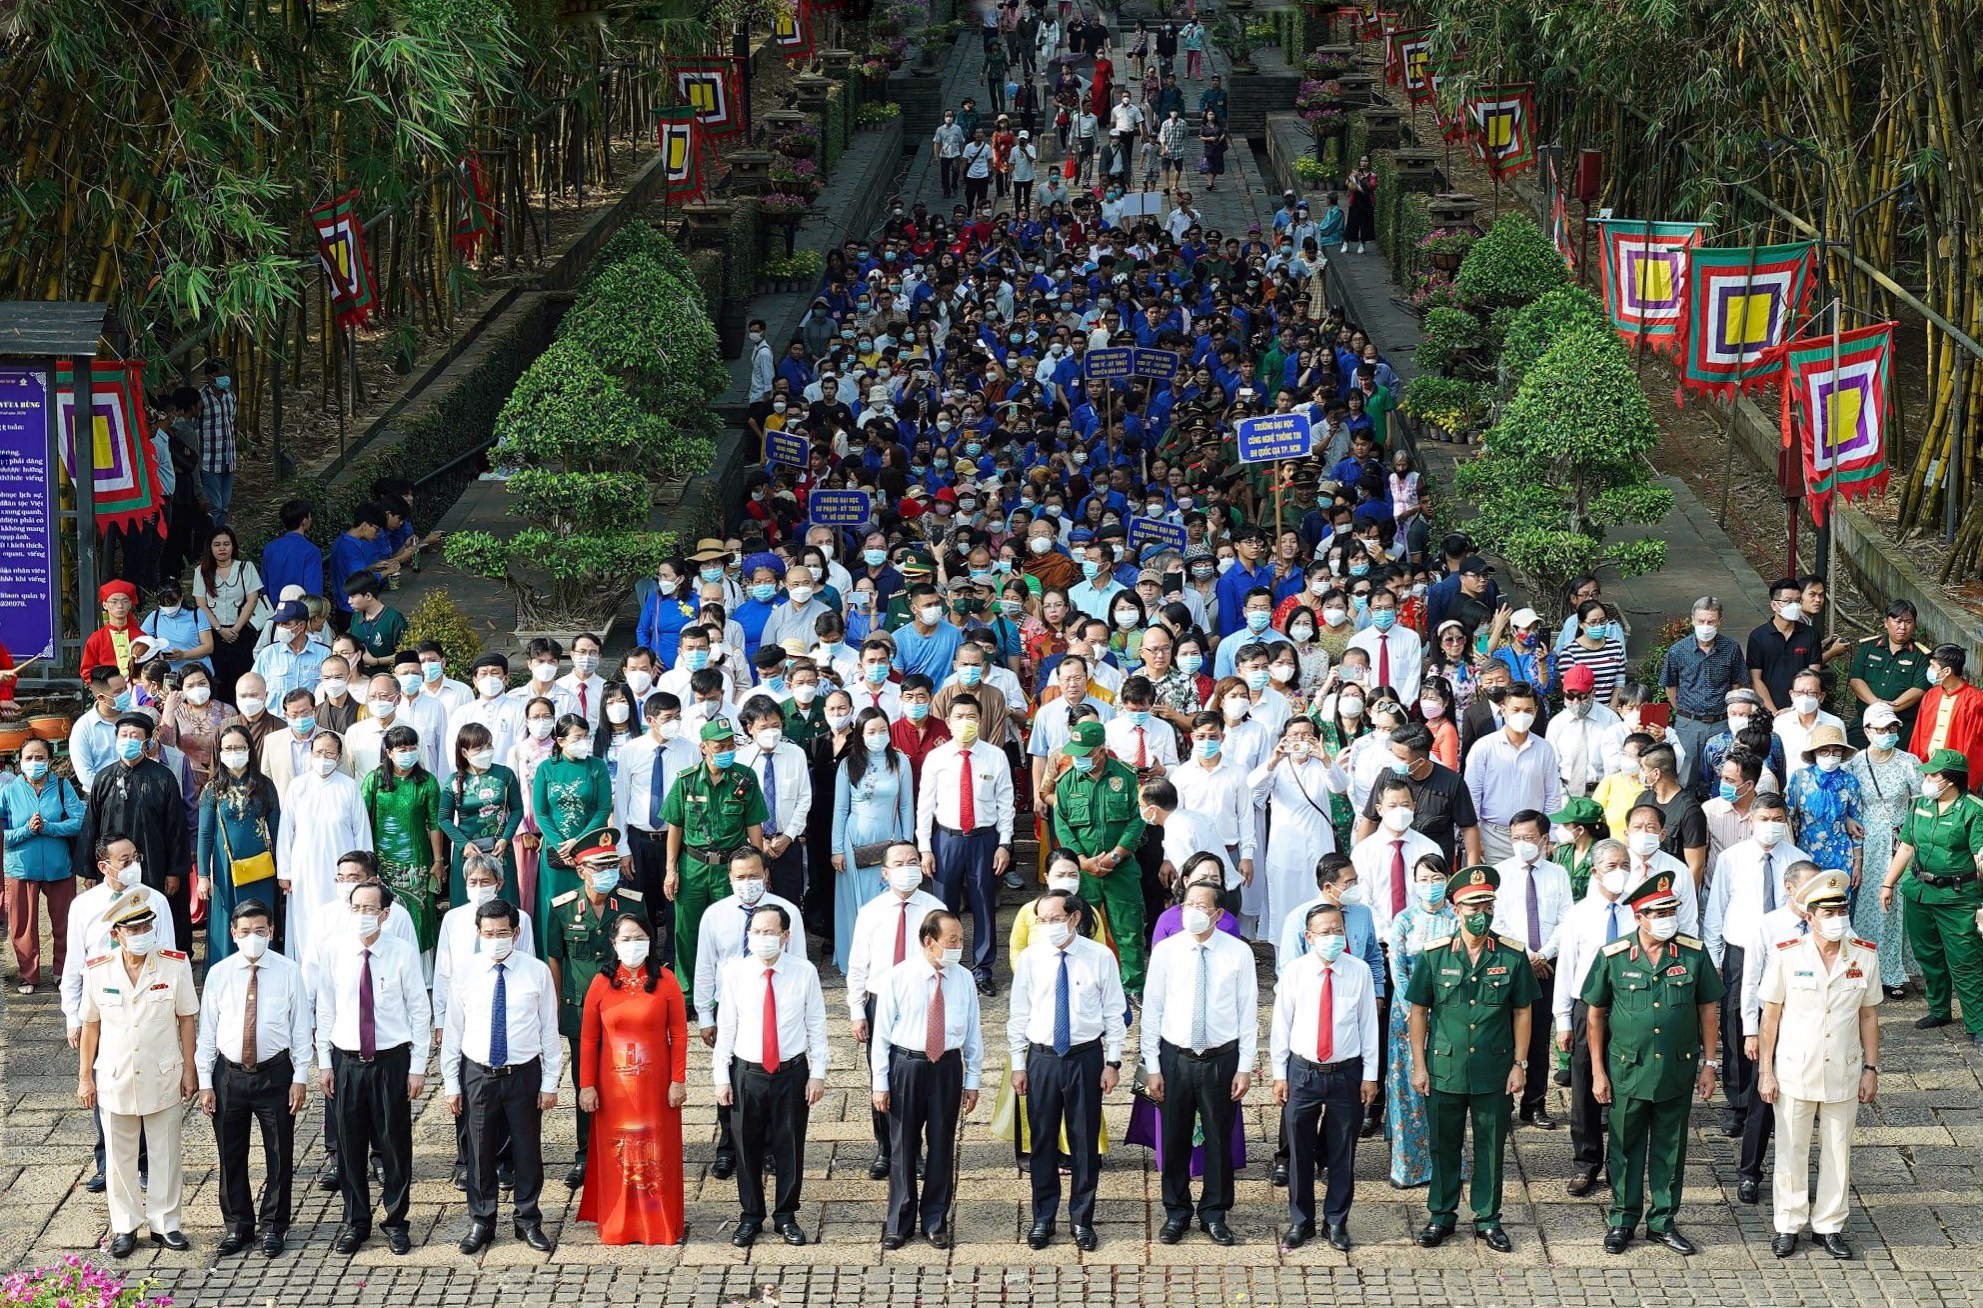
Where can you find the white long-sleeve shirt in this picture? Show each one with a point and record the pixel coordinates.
(282, 1015)
(740, 1016)
(459, 941)
(530, 1020)
(902, 1013)
(1739, 891)
(401, 1014)
(1232, 997)
(89, 937)
(1297, 1021)
(939, 799)
(720, 942)
(1095, 1000)
(1511, 905)
(872, 953)
(791, 799)
(1222, 795)
(1505, 778)
(1585, 931)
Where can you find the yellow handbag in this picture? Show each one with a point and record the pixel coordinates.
(252, 869)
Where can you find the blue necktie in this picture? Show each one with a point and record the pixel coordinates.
(499, 1021)
(744, 946)
(656, 798)
(770, 794)
(1611, 931)
(1769, 882)
(1063, 1017)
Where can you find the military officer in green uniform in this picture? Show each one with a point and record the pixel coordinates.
(1934, 869)
(1098, 813)
(579, 945)
(710, 811)
(1653, 1019)
(805, 712)
(1889, 667)
(915, 569)
(1470, 1005)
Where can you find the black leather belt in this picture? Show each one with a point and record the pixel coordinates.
(377, 1054)
(1340, 1065)
(918, 1056)
(1072, 1050)
(1700, 717)
(1216, 1051)
(710, 853)
(645, 834)
(507, 1069)
(1944, 883)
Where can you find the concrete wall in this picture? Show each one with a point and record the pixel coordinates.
(1254, 95)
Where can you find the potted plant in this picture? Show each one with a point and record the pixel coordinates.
(1230, 36)
(1446, 247)
(785, 210)
(797, 141)
(796, 177)
(1323, 66)
(1318, 93)
(1310, 173)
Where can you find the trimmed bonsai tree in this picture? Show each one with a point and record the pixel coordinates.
(1511, 265)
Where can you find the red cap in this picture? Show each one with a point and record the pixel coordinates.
(946, 496)
(109, 588)
(1580, 679)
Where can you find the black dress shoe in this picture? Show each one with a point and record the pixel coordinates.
(1040, 1236)
(938, 1239)
(575, 1177)
(790, 1230)
(532, 1234)
(378, 1171)
(1749, 1192)
(1581, 1184)
(745, 1235)
(987, 987)
(234, 1242)
(1372, 1124)
(1086, 1240)
(350, 1240)
(1930, 1022)
(1496, 1239)
(878, 1169)
(1432, 1235)
(399, 1240)
(1784, 1245)
(459, 1177)
(1297, 1235)
(123, 1246)
(97, 1184)
(480, 1236)
(1173, 1230)
(724, 1166)
(330, 1179)
(1562, 1076)
(1540, 1119)
(176, 1241)
(1673, 1240)
(1219, 1231)
(1339, 1236)
(1835, 1244)
(1278, 1178)
(505, 1178)
(891, 1242)
(272, 1244)
(1616, 1239)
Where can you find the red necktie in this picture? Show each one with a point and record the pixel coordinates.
(1325, 1022)
(770, 1055)
(582, 709)
(1142, 751)
(1384, 659)
(967, 800)
(1397, 877)
(933, 1028)
(902, 933)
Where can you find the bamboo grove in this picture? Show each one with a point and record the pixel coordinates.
(1779, 120)
(161, 155)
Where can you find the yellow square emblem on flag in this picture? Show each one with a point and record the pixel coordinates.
(1500, 130)
(1747, 321)
(1655, 280)
(1843, 419)
(702, 94)
(100, 435)
(678, 152)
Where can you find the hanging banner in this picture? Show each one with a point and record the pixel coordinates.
(1559, 213)
(475, 217)
(791, 30)
(1645, 277)
(1835, 409)
(1415, 63)
(676, 133)
(127, 491)
(712, 85)
(30, 581)
(341, 250)
(1501, 119)
(1741, 304)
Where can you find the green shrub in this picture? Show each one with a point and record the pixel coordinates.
(1444, 333)
(1451, 404)
(439, 619)
(637, 239)
(1511, 265)
(649, 329)
(1532, 329)
(567, 412)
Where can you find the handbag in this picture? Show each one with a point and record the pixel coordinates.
(871, 855)
(252, 869)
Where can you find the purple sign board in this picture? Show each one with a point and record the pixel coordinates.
(30, 575)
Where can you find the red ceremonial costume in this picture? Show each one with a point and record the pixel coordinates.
(1951, 721)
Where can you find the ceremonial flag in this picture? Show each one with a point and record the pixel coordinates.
(676, 136)
(1645, 277)
(1501, 118)
(1835, 408)
(1741, 304)
(712, 86)
(1559, 216)
(1415, 63)
(127, 488)
(791, 30)
(475, 217)
(341, 250)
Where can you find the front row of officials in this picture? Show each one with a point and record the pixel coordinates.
(1650, 999)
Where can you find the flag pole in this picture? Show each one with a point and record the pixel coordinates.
(1728, 431)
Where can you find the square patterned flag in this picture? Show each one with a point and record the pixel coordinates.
(711, 85)
(1645, 277)
(1742, 303)
(1835, 410)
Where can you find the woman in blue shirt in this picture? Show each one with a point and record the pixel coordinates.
(181, 634)
(665, 613)
(39, 815)
(239, 811)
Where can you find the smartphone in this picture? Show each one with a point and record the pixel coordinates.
(1655, 716)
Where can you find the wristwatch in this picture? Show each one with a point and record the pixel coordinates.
(1870, 1067)
(1522, 1063)
(1714, 1063)
(1117, 1065)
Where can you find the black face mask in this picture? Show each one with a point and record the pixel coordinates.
(1496, 694)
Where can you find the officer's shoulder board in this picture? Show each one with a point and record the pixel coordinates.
(1791, 943)
(1864, 944)
(1688, 941)
(1873, 639)
(1508, 942)
(98, 961)
(566, 898)
(1618, 946)
(172, 953)
(624, 893)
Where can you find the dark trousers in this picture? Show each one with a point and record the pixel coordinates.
(260, 1096)
(1587, 1115)
(1323, 1112)
(947, 171)
(884, 1133)
(1758, 1119)
(924, 1098)
(1197, 1090)
(500, 1104)
(1447, 1113)
(584, 1126)
(650, 876)
(1067, 1090)
(770, 1110)
(373, 1115)
(964, 867)
(1149, 866)
(1541, 1054)
(786, 875)
(975, 191)
(1648, 1151)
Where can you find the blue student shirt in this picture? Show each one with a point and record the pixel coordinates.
(931, 655)
(292, 559)
(349, 554)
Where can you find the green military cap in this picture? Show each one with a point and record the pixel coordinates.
(1948, 760)
(1477, 882)
(1085, 738)
(718, 729)
(603, 843)
(1656, 891)
(1578, 809)
(914, 565)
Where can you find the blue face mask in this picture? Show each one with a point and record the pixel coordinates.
(974, 449)
(1401, 766)
(128, 749)
(1430, 893)
(1598, 630)
(763, 591)
(775, 684)
(874, 558)
(1384, 619)
(711, 574)
(1139, 717)
(970, 674)
(1082, 762)
(725, 758)
(35, 769)
(1728, 790)
(1330, 947)
(303, 726)
(1359, 569)
(917, 712)
(1090, 570)
(223, 382)
(123, 701)
(1257, 679)
(1257, 619)
(875, 673)
(604, 883)
(698, 659)
(1210, 748)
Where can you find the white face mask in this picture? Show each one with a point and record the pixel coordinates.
(1352, 893)
(323, 766)
(1834, 928)
(1527, 851)
(905, 880)
(498, 947)
(382, 708)
(632, 953)
(929, 614)
(481, 758)
(1705, 632)
(1663, 928)
(1793, 611)
(749, 890)
(197, 695)
(141, 943)
(1398, 819)
(1236, 708)
(1520, 721)
(1335, 617)
(1614, 882)
(254, 946)
(540, 728)
(585, 664)
(638, 680)
(490, 686)
(1071, 884)
(368, 924)
(768, 738)
(480, 895)
(1643, 843)
(1805, 704)
(766, 948)
(544, 672)
(1059, 933)
(1769, 833)
(1932, 787)
(805, 693)
(250, 705)
(1738, 723)
(234, 758)
(1197, 921)
(618, 711)
(801, 595)
(952, 957)
(578, 749)
(1830, 763)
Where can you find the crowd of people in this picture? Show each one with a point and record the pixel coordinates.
(1255, 718)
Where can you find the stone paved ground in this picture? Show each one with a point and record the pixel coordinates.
(1916, 1207)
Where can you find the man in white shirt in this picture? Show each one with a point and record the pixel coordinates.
(695, 655)
(1098, 588)
(770, 1072)
(1386, 860)
(583, 683)
(1593, 922)
(1135, 735)
(1784, 922)
(1324, 1046)
(884, 938)
(1794, 725)
(649, 764)
(424, 713)
(372, 1063)
(265, 1081)
(964, 828)
(1063, 1034)
(1215, 787)
(1511, 770)
(1396, 653)
(458, 944)
(364, 743)
(434, 675)
(1200, 1035)
(492, 707)
(544, 655)
(785, 776)
(500, 1058)
(794, 619)
(1577, 734)
(1184, 834)
(1535, 894)
(925, 1060)
(1645, 827)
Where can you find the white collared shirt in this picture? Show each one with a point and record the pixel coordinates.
(1740, 889)
(595, 690)
(530, 1019)
(1586, 929)
(1221, 795)
(1186, 834)
(872, 953)
(791, 798)
(1372, 858)
(1297, 1019)
(400, 1011)
(1232, 996)
(1406, 657)
(633, 788)
(939, 800)
(1506, 778)
(740, 1015)
(720, 941)
(89, 937)
(1511, 905)
(282, 1015)
(1095, 998)
(901, 1016)
(1683, 886)
(460, 940)
(1158, 740)
(1779, 924)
